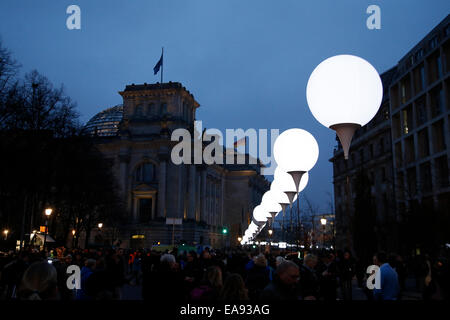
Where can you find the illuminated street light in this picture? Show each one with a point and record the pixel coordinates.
(323, 221)
(270, 232)
(5, 232)
(239, 239)
(73, 232)
(344, 92)
(48, 212)
(100, 226)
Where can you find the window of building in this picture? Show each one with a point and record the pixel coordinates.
(409, 149)
(396, 126)
(421, 111)
(433, 43)
(145, 173)
(419, 79)
(425, 177)
(439, 67)
(412, 181)
(138, 111)
(163, 109)
(145, 210)
(398, 154)
(437, 101)
(407, 120)
(438, 136)
(441, 165)
(400, 185)
(151, 109)
(394, 97)
(424, 144)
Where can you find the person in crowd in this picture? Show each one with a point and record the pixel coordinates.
(234, 289)
(39, 282)
(12, 273)
(389, 285)
(116, 271)
(309, 282)
(258, 277)
(284, 284)
(210, 287)
(279, 260)
(86, 272)
(136, 269)
(327, 272)
(98, 285)
(346, 274)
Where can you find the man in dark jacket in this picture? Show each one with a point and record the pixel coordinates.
(309, 282)
(284, 284)
(327, 272)
(346, 274)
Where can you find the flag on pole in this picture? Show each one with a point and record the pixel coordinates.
(240, 142)
(158, 65)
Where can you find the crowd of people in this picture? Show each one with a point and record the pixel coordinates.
(215, 275)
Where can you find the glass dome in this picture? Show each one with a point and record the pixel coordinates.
(105, 123)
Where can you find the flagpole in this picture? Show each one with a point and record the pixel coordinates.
(162, 65)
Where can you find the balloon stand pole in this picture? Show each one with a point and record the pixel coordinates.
(297, 176)
(345, 132)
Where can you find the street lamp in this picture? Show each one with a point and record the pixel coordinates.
(239, 239)
(323, 221)
(344, 92)
(5, 232)
(100, 226)
(48, 213)
(296, 151)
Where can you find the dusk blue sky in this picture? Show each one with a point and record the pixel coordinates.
(246, 62)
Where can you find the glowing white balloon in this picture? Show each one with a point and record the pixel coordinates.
(296, 150)
(344, 92)
(283, 181)
(260, 214)
(269, 202)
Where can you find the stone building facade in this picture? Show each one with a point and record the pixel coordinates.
(136, 137)
(405, 149)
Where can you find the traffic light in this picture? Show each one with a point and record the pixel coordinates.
(224, 230)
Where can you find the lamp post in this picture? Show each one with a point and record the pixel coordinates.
(73, 237)
(48, 213)
(323, 221)
(5, 232)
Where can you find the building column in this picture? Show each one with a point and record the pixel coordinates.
(203, 216)
(222, 200)
(162, 189)
(191, 192)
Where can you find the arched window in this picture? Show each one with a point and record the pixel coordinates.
(163, 109)
(151, 109)
(138, 111)
(145, 173)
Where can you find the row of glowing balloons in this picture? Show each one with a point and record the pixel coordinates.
(296, 151)
(344, 92)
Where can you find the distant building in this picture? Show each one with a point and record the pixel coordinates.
(404, 151)
(136, 137)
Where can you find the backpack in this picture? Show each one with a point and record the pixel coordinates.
(200, 293)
